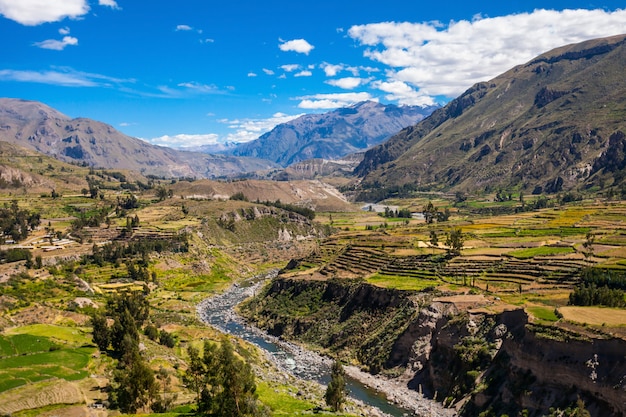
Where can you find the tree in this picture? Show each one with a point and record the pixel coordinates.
(134, 385)
(588, 245)
(454, 241)
(161, 193)
(225, 382)
(336, 391)
(195, 375)
(429, 212)
(101, 334)
(434, 240)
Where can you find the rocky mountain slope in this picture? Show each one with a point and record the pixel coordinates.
(555, 123)
(480, 363)
(332, 135)
(38, 127)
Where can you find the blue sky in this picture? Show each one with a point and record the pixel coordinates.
(193, 72)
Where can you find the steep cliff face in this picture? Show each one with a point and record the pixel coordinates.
(480, 363)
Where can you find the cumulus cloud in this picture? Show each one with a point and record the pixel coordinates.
(36, 12)
(109, 3)
(296, 45)
(185, 140)
(244, 130)
(252, 74)
(183, 28)
(57, 45)
(332, 70)
(403, 93)
(348, 83)
(64, 31)
(304, 73)
(268, 71)
(444, 60)
(290, 67)
(332, 101)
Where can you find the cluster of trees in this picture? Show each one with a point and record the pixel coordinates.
(600, 287)
(592, 295)
(115, 252)
(431, 213)
(93, 219)
(134, 384)
(124, 204)
(377, 192)
(404, 213)
(303, 211)
(223, 382)
(16, 255)
(16, 223)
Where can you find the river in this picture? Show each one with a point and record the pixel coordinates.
(218, 311)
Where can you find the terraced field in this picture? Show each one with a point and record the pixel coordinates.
(531, 251)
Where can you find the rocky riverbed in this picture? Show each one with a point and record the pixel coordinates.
(291, 358)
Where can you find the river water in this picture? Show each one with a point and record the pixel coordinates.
(218, 311)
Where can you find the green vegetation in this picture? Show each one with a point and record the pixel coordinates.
(541, 251)
(224, 384)
(336, 391)
(16, 223)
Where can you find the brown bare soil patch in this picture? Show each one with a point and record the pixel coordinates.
(320, 196)
(38, 314)
(596, 316)
(465, 301)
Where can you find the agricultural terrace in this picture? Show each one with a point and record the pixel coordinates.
(531, 259)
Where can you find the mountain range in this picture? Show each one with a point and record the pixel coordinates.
(332, 135)
(35, 126)
(553, 124)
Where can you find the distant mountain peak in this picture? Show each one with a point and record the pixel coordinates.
(332, 135)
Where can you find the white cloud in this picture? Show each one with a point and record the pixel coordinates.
(332, 70)
(447, 59)
(63, 77)
(57, 45)
(185, 140)
(208, 40)
(201, 88)
(332, 101)
(403, 93)
(36, 12)
(244, 130)
(296, 45)
(348, 83)
(64, 31)
(268, 71)
(252, 74)
(183, 28)
(290, 67)
(305, 73)
(109, 3)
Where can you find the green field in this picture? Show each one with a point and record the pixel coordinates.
(541, 251)
(37, 365)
